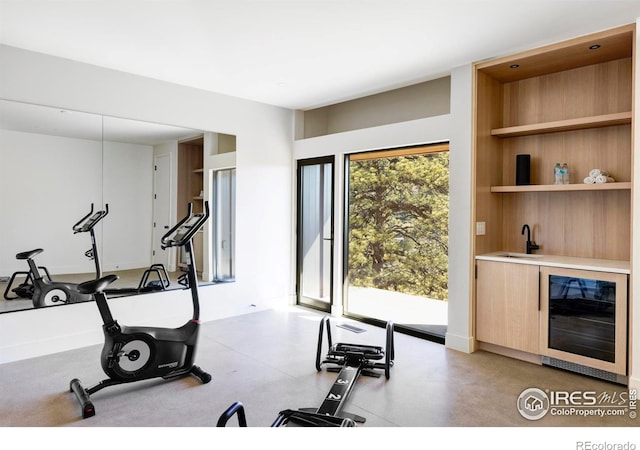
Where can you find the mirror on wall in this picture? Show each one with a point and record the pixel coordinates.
(77, 189)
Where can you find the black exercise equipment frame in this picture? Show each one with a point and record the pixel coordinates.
(351, 361)
(88, 223)
(162, 283)
(163, 345)
(47, 292)
(237, 409)
(24, 289)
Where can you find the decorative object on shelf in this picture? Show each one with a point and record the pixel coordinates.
(598, 176)
(557, 174)
(523, 170)
(597, 172)
(561, 174)
(566, 179)
(600, 179)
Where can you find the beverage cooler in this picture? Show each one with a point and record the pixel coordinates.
(584, 321)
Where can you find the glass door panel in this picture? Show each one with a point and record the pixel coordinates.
(582, 316)
(396, 257)
(224, 194)
(584, 320)
(315, 233)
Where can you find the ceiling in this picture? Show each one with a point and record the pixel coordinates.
(45, 120)
(298, 54)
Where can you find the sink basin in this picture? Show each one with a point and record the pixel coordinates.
(517, 255)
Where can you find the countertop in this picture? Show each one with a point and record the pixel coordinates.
(568, 262)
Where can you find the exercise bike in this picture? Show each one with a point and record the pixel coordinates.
(351, 361)
(38, 286)
(161, 283)
(50, 293)
(134, 354)
(145, 285)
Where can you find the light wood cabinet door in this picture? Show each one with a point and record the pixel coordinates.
(507, 305)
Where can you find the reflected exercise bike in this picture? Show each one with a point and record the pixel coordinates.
(132, 353)
(38, 285)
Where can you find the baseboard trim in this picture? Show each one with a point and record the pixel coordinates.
(511, 353)
(34, 349)
(461, 343)
(634, 382)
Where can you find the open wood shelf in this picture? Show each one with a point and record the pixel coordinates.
(605, 120)
(620, 185)
(579, 111)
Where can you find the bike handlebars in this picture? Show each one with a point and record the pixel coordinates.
(184, 230)
(90, 220)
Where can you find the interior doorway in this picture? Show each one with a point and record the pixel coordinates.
(161, 208)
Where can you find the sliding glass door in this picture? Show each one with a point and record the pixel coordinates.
(315, 233)
(396, 250)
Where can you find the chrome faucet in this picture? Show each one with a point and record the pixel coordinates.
(531, 245)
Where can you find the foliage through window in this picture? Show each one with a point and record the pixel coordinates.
(398, 223)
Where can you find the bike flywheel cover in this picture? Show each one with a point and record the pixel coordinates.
(133, 356)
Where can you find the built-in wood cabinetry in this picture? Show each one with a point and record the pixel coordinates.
(569, 102)
(507, 305)
(190, 187)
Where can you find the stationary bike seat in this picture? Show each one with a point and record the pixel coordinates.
(93, 286)
(30, 254)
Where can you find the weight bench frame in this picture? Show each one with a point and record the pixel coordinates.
(351, 361)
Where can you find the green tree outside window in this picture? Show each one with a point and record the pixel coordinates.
(398, 224)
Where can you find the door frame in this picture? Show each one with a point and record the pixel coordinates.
(308, 302)
(159, 227)
(434, 147)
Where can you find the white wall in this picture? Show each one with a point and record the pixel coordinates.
(128, 190)
(426, 99)
(50, 185)
(264, 140)
(459, 331)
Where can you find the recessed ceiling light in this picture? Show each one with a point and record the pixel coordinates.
(514, 66)
(594, 47)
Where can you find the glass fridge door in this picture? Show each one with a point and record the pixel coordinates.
(582, 315)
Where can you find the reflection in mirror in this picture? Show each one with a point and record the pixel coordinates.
(56, 164)
(224, 196)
